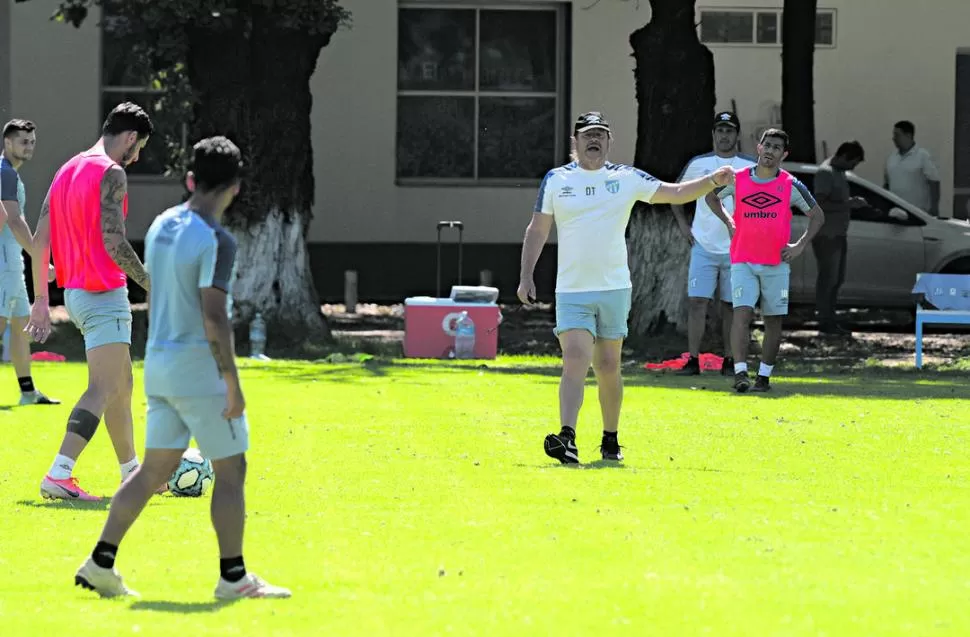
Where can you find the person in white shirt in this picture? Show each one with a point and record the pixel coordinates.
(911, 172)
(590, 200)
(710, 245)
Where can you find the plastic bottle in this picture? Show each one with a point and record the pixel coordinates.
(257, 337)
(465, 337)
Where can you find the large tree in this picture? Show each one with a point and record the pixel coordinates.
(674, 77)
(798, 77)
(243, 68)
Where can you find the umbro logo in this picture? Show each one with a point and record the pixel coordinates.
(761, 200)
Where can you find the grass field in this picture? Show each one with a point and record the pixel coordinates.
(414, 499)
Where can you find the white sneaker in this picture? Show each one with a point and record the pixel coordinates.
(37, 398)
(249, 586)
(106, 582)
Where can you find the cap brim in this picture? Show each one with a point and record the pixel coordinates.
(731, 124)
(591, 127)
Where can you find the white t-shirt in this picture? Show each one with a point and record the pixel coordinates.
(591, 209)
(709, 231)
(909, 175)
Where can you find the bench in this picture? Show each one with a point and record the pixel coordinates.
(949, 294)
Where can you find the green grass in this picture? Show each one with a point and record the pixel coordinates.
(413, 498)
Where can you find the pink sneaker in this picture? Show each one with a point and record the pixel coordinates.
(67, 489)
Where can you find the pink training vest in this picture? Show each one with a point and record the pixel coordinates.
(77, 246)
(762, 218)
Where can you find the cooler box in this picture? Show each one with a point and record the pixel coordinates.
(429, 326)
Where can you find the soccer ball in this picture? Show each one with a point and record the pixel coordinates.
(193, 476)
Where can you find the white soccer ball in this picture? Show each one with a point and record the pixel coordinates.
(193, 477)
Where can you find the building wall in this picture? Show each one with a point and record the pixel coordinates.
(873, 77)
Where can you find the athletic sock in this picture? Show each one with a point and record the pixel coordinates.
(765, 370)
(62, 467)
(740, 367)
(128, 467)
(104, 554)
(567, 432)
(609, 434)
(232, 569)
(26, 384)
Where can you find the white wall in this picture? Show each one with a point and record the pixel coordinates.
(901, 69)
(893, 60)
(55, 81)
(354, 114)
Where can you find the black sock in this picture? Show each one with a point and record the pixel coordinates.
(104, 554)
(567, 432)
(26, 384)
(232, 568)
(609, 434)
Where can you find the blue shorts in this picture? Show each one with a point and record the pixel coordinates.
(102, 317)
(707, 271)
(174, 420)
(751, 281)
(603, 314)
(14, 302)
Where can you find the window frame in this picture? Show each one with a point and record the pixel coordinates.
(559, 94)
(754, 12)
(108, 89)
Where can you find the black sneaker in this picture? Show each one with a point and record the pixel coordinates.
(610, 448)
(727, 367)
(741, 382)
(761, 384)
(691, 368)
(562, 447)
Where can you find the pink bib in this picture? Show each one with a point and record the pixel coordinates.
(77, 246)
(762, 218)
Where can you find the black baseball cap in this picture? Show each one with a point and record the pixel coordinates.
(726, 117)
(589, 121)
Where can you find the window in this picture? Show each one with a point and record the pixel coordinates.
(130, 73)
(480, 93)
(759, 27)
(878, 208)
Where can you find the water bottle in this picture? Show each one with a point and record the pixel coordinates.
(465, 337)
(257, 337)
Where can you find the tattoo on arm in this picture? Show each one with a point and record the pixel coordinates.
(221, 364)
(114, 187)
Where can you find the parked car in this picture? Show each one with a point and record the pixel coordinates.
(890, 241)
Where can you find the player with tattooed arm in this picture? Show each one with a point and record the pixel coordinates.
(82, 225)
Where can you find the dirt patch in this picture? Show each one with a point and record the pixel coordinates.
(884, 337)
(879, 338)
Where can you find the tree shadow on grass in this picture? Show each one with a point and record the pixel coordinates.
(181, 608)
(71, 505)
(846, 382)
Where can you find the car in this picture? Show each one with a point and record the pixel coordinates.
(890, 241)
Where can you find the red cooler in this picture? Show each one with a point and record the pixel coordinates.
(429, 326)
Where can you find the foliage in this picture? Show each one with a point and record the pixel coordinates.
(154, 36)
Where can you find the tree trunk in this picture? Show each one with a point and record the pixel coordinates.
(675, 105)
(798, 77)
(254, 81)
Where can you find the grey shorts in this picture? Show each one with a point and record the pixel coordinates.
(14, 302)
(102, 317)
(707, 272)
(174, 420)
(768, 282)
(603, 314)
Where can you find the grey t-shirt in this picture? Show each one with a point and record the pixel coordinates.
(184, 253)
(832, 193)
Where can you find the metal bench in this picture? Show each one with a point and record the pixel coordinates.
(949, 294)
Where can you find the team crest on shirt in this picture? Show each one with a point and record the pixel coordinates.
(612, 186)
